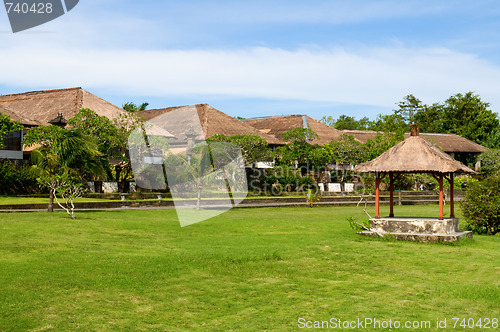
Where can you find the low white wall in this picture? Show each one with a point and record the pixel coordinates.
(109, 187)
(334, 187)
(5, 154)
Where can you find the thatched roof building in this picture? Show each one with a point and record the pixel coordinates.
(278, 125)
(212, 122)
(449, 143)
(14, 116)
(40, 107)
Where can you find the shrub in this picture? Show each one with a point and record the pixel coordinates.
(17, 181)
(481, 206)
(458, 181)
(490, 162)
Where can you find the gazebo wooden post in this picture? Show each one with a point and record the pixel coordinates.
(441, 196)
(452, 203)
(377, 196)
(391, 190)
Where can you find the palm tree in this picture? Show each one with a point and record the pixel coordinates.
(69, 153)
(204, 169)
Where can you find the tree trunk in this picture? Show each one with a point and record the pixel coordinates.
(50, 208)
(198, 203)
(98, 186)
(125, 186)
(118, 171)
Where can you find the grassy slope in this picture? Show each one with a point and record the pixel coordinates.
(248, 269)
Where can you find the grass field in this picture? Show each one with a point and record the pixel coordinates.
(248, 269)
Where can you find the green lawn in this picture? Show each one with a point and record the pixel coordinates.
(248, 269)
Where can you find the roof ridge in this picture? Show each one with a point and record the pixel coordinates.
(276, 117)
(164, 108)
(42, 91)
(79, 100)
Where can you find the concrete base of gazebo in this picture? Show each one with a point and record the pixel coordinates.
(418, 229)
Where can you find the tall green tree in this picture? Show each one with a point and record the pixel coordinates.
(320, 155)
(348, 150)
(298, 147)
(300, 135)
(100, 127)
(125, 124)
(390, 123)
(492, 141)
(408, 107)
(253, 147)
(346, 122)
(131, 107)
(381, 143)
(430, 118)
(111, 137)
(469, 116)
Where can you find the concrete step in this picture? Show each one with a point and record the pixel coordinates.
(418, 237)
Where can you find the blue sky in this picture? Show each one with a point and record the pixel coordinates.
(257, 58)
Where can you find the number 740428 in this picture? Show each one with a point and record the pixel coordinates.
(485, 323)
(25, 8)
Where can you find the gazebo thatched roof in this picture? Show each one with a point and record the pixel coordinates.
(413, 155)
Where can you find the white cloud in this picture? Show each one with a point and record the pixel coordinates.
(365, 76)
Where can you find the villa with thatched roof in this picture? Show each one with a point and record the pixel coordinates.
(212, 122)
(454, 145)
(278, 125)
(40, 108)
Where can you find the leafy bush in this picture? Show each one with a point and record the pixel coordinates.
(281, 178)
(17, 181)
(459, 180)
(490, 162)
(481, 206)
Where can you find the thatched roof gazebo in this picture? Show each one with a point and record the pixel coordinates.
(413, 155)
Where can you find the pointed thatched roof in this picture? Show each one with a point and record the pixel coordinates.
(39, 107)
(446, 142)
(278, 125)
(212, 122)
(413, 155)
